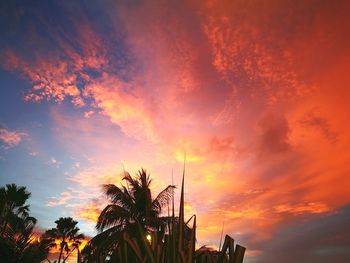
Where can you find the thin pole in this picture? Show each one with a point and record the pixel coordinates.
(222, 232)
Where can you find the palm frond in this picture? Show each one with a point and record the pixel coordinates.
(143, 178)
(163, 198)
(130, 180)
(101, 242)
(118, 195)
(112, 215)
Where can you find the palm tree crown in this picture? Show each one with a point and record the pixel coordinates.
(133, 204)
(16, 227)
(131, 207)
(12, 204)
(66, 232)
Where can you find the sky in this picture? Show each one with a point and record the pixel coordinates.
(255, 92)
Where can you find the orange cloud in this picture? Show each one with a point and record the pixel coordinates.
(314, 208)
(256, 95)
(123, 107)
(89, 212)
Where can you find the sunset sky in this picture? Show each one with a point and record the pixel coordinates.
(255, 92)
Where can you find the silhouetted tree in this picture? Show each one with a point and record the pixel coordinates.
(16, 228)
(66, 231)
(12, 205)
(130, 205)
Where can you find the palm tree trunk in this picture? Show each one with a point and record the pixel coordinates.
(61, 251)
(65, 258)
(79, 256)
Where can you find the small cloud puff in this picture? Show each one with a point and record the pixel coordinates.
(10, 139)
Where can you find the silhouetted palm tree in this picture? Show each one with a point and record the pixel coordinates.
(12, 205)
(131, 206)
(16, 227)
(66, 232)
(36, 252)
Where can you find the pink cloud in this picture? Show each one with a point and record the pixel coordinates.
(124, 107)
(11, 138)
(63, 199)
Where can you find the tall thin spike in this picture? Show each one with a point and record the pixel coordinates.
(172, 183)
(182, 210)
(168, 210)
(173, 253)
(168, 221)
